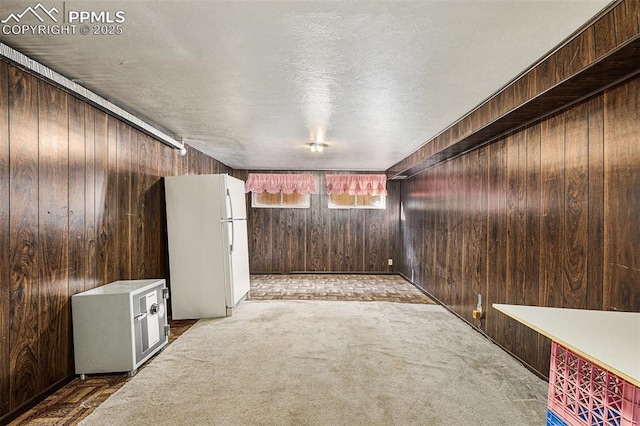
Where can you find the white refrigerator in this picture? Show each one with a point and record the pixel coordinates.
(208, 245)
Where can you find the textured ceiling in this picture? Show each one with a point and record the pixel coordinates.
(252, 83)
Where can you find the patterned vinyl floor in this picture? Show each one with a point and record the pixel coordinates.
(79, 398)
(365, 288)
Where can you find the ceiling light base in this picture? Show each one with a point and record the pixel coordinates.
(317, 146)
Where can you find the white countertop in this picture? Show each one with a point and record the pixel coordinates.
(609, 339)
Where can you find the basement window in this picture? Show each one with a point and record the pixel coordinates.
(280, 200)
(275, 190)
(346, 201)
(352, 191)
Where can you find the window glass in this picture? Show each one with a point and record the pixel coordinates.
(280, 200)
(346, 201)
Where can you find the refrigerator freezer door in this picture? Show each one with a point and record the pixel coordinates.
(236, 199)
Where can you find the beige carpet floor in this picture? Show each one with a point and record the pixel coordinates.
(329, 363)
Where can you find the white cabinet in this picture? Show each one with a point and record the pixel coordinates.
(118, 326)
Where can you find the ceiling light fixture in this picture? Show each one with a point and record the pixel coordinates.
(317, 146)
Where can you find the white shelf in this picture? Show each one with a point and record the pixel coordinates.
(609, 339)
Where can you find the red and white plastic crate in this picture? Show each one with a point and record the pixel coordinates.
(583, 394)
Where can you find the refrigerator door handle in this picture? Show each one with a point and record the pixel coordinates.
(233, 232)
(230, 204)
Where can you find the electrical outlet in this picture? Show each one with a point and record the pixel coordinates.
(477, 312)
(390, 262)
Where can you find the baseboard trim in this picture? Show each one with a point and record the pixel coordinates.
(327, 273)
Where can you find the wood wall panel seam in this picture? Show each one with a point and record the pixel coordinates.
(576, 208)
(532, 263)
(91, 277)
(5, 267)
(123, 185)
(111, 204)
(77, 194)
(596, 204)
(101, 176)
(53, 235)
(24, 244)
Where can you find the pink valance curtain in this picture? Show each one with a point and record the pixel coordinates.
(357, 184)
(274, 183)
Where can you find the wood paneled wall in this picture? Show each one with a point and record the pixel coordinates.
(81, 205)
(319, 239)
(545, 216)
